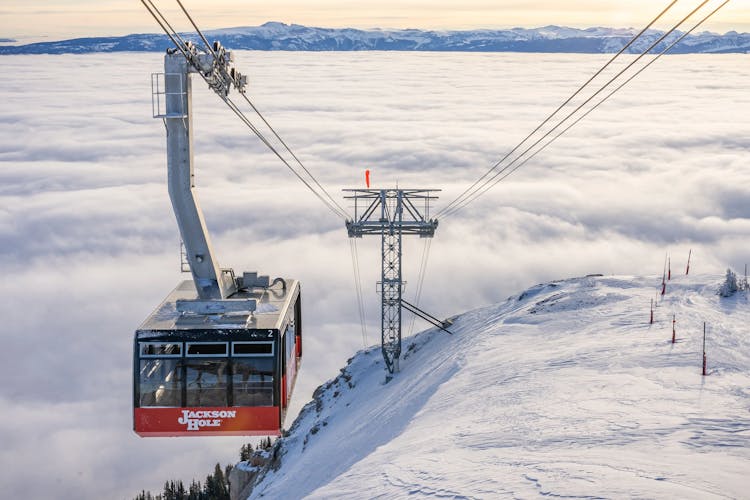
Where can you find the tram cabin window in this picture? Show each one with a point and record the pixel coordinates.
(160, 382)
(161, 349)
(207, 349)
(252, 348)
(160, 373)
(252, 373)
(206, 380)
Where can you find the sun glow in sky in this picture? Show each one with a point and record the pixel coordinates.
(61, 19)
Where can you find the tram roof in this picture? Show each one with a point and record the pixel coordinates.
(272, 305)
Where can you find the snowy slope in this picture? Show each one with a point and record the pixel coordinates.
(280, 36)
(564, 390)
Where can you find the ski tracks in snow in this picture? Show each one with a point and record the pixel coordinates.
(564, 391)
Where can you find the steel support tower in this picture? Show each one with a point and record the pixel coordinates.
(391, 213)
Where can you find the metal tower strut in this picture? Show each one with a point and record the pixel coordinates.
(391, 213)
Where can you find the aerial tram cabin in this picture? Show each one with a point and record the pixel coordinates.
(218, 374)
(220, 355)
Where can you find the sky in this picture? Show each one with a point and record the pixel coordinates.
(89, 246)
(63, 19)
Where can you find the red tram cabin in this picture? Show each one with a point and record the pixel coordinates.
(217, 374)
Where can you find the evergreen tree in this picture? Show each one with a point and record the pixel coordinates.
(170, 491)
(216, 485)
(265, 443)
(196, 491)
(180, 492)
(246, 452)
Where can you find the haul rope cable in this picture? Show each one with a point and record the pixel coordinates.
(169, 31)
(330, 202)
(265, 141)
(187, 14)
(702, 21)
(488, 184)
(420, 280)
(358, 287)
(342, 211)
(360, 293)
(567, 101)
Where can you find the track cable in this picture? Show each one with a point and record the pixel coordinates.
(321, 193)
(420, 279)
(565, 103)
(358, 288)
(578, 120)
(479, 188)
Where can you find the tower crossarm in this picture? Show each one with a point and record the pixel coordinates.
(403, 210)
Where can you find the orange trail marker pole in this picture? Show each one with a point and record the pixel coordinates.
(367, 177)
(669, 269)
(652, 313)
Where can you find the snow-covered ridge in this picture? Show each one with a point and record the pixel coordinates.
(280, 36)
(563, 390)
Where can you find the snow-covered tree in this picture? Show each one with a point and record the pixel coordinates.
(729, 287)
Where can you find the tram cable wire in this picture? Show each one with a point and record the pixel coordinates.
(578, 120)
(171, 32)
(339, 207)
(197, 30)
(491, 182)
(358, 288)
(330, 204)
(181, 45)
(260, 115)
(420, 279)
(565, 103)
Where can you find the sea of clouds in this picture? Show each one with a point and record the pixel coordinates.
(89, 246)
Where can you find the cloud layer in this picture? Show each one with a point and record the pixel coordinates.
(89, 246)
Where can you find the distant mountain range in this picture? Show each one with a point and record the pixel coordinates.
(280, 36)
